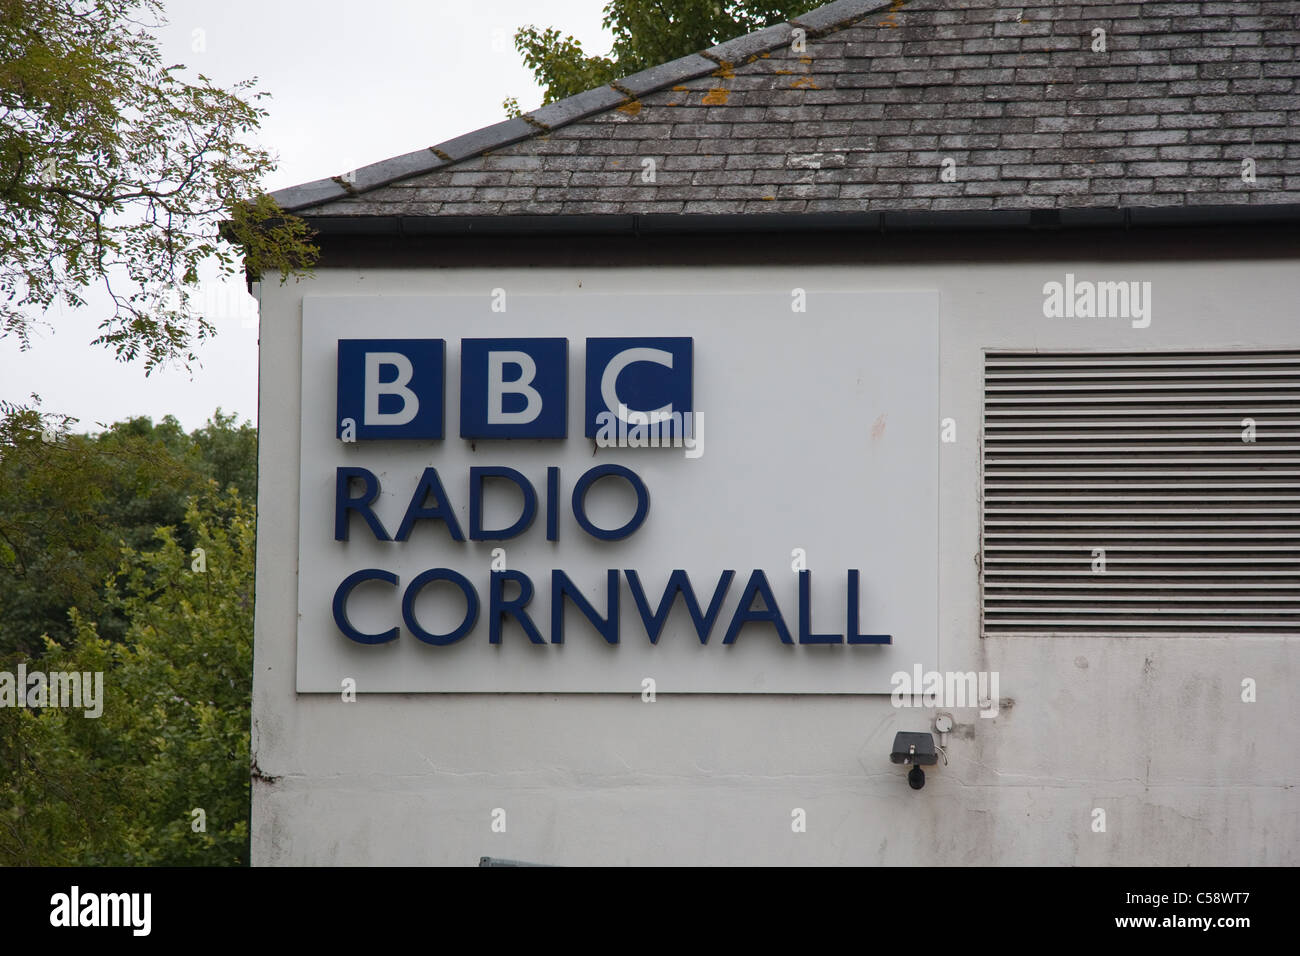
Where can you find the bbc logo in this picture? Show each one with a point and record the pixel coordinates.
(509, 388)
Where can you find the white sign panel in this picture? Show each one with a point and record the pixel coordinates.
(634, 493)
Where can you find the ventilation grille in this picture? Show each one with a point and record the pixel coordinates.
(1141, 455)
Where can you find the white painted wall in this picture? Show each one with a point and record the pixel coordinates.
(1153, 731)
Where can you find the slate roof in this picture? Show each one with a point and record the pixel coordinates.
(864, 117)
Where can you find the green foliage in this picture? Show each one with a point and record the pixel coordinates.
(646, 33)
(271, 239)
(116, 171)
(173, 736)
(69, 502)
(227, 452)
(560, 65)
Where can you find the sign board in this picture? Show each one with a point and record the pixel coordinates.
(585, 493)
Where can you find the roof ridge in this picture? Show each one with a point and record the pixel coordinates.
(741, 50)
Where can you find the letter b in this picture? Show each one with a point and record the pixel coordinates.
(376, 387)
(514, 388)
(498, 388)
(392, 388)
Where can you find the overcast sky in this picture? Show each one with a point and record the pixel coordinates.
(351, 84)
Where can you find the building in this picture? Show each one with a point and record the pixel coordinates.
(991, 316)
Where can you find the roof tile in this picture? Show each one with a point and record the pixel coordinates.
(860, 118)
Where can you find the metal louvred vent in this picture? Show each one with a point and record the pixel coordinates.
(1141, 493)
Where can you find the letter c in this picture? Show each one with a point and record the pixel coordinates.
(341, 605)
(609, 381)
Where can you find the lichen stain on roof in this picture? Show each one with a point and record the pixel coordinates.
(1020, 103)
(890, 19)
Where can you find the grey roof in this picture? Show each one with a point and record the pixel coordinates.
(864, 118)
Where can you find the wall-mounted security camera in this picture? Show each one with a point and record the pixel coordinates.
(916, 749)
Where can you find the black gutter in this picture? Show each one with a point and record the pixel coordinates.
(661, 224)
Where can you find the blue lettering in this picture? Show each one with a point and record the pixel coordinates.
(413, 591)
(416, 510)
(344, 502)
(679, 582)
(476, 530)
(499, 608)
(562, 586)
(341, 596)
(805, 615)
(854, 618)
(745, 613)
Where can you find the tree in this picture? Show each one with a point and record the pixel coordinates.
(227, 453)
(646, 33)
(69, 502)
(116, 171)
(173, 736)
